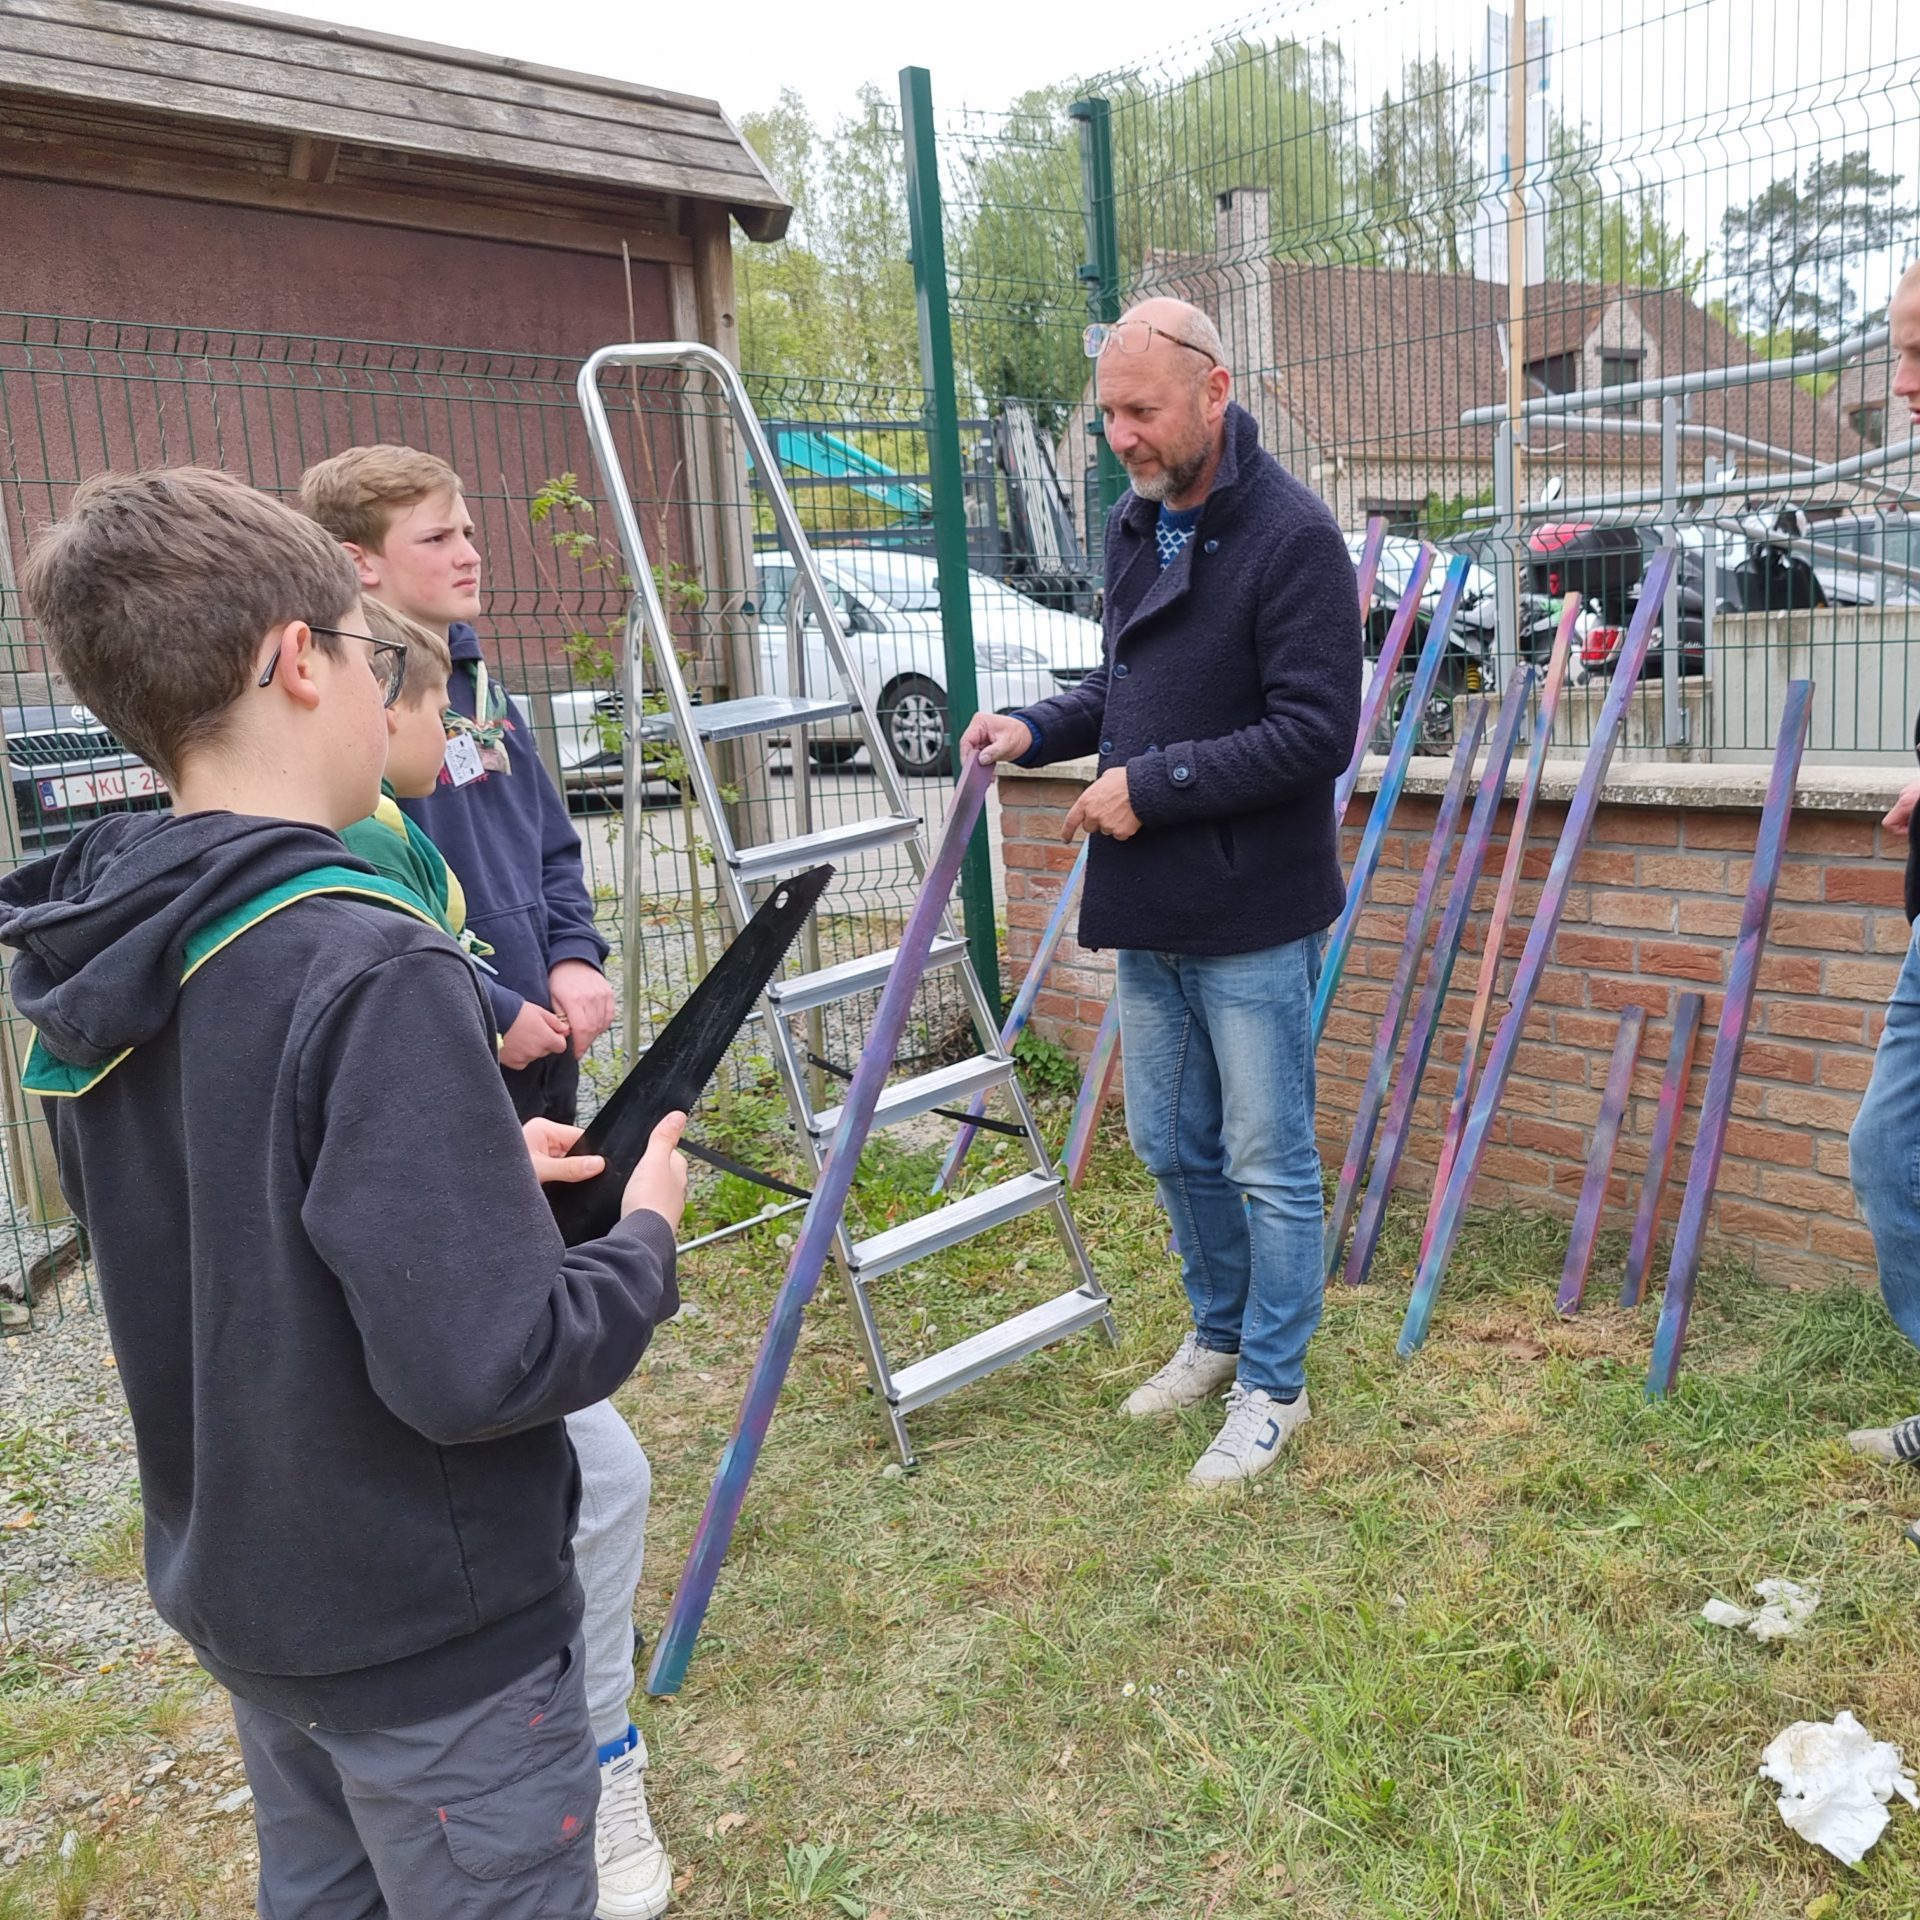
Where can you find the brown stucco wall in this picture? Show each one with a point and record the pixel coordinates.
(161, 381)
(84, 250)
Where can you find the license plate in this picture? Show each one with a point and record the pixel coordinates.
(99, 789)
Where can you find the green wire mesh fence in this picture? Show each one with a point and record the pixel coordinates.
(81, 395)
(1707, 203)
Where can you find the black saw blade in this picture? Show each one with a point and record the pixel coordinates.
(672, 1074)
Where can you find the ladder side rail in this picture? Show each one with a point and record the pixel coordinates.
(793, 537)
(633, 548)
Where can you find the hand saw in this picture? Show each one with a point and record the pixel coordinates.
(673, 1072)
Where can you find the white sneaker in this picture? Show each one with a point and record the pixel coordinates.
(1898, 1445)
(1257, 1426)
(1193, 1374)
(636, 1877)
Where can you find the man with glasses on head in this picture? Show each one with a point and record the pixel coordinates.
(1226, 703)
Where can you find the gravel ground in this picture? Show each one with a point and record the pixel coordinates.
(75, 1620)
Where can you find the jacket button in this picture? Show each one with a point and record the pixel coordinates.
(1120, 672)
(1106, 746)
(1180, 773)
(1212, 546)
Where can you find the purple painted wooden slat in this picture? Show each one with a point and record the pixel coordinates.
(1505, 894)
(1716, 1104)
(1666, 1134)
(1400, 992)
(1533, 962)
(715, 1530)
(1606, 1137)
(1368, 570)
(1393, 777)
(1022, 1009)
(1094, 1089)
(1381, 685)
(1425, 1024)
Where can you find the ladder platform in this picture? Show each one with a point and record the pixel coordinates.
(832, 843)
(973, 1358)
(845, 978)
(765, 713)
(949, 1225)
(908, 1098)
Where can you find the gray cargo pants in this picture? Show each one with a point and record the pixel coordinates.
(482, 1814)
(608, 1545)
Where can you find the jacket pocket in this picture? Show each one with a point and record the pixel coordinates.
(1223, 833)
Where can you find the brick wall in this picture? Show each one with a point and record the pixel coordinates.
(1654, 911)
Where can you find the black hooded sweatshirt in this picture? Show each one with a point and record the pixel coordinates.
(347, 1346)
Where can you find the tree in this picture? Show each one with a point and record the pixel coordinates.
(782, 288)
(1617, 239)
(1790, 252)
(834, 300)
(1425, 184)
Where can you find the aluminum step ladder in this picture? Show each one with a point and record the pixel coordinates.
(756, 720)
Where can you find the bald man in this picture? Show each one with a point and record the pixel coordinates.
(1226, 704)
(1885, 1144)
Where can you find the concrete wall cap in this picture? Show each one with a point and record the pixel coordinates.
(1736, 787)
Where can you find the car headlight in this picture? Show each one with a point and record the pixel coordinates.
(1003, 657)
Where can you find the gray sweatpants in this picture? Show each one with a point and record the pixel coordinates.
(615, 1484)
(482, 1814)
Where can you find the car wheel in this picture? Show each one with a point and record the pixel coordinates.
(913, 716)
(830, 754)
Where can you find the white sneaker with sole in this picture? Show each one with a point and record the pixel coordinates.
(636, 1877)
(1193, 1374)
(1257, 1426)
(1898, 1445)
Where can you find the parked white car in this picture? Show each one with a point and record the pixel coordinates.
(888, 604)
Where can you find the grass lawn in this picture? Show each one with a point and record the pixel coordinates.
(1445, 1660)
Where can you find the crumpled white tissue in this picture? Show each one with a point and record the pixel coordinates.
(1785, 1607)
(1836, 1780)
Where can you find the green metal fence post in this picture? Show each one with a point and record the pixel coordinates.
(1101, 272)
(929, 244)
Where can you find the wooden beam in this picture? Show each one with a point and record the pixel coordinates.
(309, 158)
(134, 173)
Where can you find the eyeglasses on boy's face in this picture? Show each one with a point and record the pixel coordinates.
(1133, 336)
(389, 661)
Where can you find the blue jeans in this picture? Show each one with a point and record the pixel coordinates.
(1884, 1151)
(1218, 1054)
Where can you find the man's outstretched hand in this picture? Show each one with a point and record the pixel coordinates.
(1105, 807)
(996, 737)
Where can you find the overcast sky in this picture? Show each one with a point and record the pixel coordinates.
(1706, 100)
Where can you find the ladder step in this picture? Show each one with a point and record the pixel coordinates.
(765, 713)
(847, 977)
(833, 843)
(942, 1087)
(971, 1359)
(948, 1226)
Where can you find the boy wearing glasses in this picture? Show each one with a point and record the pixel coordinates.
(616, 1482)
(347, 1360)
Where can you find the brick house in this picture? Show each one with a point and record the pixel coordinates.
(1359, 375)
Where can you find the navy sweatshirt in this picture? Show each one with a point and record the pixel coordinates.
(1229, 690)
(346, 1349)
(510, 840)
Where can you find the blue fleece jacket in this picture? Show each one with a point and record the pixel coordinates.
(1230, 693)
(510, 840)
